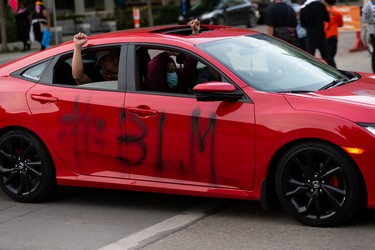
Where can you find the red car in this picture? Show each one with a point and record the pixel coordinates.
(277, 125)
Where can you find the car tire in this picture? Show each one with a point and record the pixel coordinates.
(318, 185)
(252, 22)
(27, 173)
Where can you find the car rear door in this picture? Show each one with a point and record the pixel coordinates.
(84, 124)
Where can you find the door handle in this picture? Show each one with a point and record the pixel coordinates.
(44, 98)
(142, 111)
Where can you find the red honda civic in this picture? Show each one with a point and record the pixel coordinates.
(246, 116)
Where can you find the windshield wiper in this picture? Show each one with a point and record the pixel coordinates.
(294, 91)
(337, 82)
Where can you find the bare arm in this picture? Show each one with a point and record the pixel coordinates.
(195, 26)
(270, 30)
(77, 65)
(46, 14)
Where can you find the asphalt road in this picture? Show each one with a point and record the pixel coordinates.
(81, 219)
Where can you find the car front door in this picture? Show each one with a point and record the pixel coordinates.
(173, 138)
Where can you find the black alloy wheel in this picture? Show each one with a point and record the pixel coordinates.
(318, 184)
(26, 169)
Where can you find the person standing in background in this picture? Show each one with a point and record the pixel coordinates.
(40, 22)
(23, 21)
(331, 29)
(301, 31)
(368, 17)
(313, 15)
(281, 15)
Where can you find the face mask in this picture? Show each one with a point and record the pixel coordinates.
(172, 80)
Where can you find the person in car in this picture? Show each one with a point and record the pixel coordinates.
(207, 74)
(163, 75)
(108, 61)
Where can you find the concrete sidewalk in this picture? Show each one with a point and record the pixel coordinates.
(16, 47)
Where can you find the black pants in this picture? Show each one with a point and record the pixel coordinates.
(372, 37)
(331, 50)
(321, 45)
(302, 43)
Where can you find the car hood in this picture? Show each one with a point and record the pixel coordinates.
(354, 101)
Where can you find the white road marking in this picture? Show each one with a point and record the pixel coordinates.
(164, 228)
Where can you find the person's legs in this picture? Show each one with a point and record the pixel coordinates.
(24, 45)
(372, 37)
(41, 39)
(331, 50)
(302, 43)
(310, 47)
(323, 49)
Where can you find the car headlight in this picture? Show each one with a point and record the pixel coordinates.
(370, 127)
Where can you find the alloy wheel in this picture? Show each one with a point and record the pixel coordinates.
(24, 164)
(318, 185)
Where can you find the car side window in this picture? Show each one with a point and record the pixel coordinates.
(169, 71)
(35, 72)
(93, 63)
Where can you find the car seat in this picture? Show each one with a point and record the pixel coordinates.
(143, 59)
(63, 74)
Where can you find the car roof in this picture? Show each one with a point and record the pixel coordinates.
(180, 33)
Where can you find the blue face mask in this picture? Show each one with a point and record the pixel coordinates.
(172, 80)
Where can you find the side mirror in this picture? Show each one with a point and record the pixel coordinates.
(216, 91)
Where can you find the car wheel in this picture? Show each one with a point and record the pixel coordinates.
(252, 22)
(26, 168)
(318, 184)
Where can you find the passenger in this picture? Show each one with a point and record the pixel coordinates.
(163, 75)
(108, 60)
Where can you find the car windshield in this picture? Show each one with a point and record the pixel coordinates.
(205, 5)
(268, 64)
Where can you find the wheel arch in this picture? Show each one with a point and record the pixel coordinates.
(42, 143)
(268, 196)
(46, 185)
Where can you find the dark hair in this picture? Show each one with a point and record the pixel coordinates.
(170, 60)
(331, 2)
